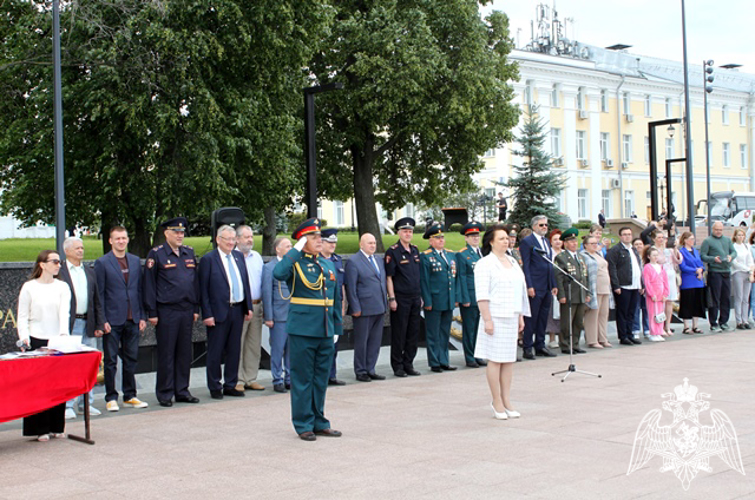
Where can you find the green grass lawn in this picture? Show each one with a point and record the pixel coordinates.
(26, 250)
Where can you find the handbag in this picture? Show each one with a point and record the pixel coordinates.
(660, 318)
(556, 308)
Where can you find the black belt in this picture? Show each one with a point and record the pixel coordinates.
(81, 316)
(234, 304)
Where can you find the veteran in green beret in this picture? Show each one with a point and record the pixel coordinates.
(440, 292)
(466, 259)
(314, 318)
(570, 293)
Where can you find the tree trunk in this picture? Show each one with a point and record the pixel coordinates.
(364, 194)
(269, 231)
(139, 243)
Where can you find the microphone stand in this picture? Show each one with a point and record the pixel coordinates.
(572, 367)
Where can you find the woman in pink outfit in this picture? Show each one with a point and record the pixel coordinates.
(656, 291)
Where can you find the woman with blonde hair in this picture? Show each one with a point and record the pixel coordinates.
(741, 272)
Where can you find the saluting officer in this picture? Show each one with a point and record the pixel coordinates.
(171, 297)
(470, 314)
(314, 317)
(404, 298)
(329, 242)
(439, 294)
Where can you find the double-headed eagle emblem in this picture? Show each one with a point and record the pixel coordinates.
(686, 445)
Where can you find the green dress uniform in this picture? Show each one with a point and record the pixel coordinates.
(439, 293)
(314, 317)
(470, 315)
(577, 268)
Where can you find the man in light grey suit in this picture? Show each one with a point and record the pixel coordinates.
(368, 300)
(275, 300)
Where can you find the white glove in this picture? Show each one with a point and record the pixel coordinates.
(300, 244)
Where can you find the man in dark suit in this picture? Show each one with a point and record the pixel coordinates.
(572, 297)
(368, 300)
(86, 316)
(625, 272)
(275, 302)
(536, 254)
(602, 218)
(226, 303)
(119, 276)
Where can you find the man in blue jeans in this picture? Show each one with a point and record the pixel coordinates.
(119, 282)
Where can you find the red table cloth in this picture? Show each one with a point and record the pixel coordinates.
(30, 385)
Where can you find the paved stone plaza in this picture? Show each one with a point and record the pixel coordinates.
(426, 437)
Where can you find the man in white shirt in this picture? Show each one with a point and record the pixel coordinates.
(251, 331)
(86, 315)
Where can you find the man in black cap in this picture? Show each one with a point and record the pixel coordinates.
(329, 242)
(171, 297)
(439, 295)
(466, 259)
(572, 311)
(404, 298)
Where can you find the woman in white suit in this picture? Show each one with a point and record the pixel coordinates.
(502, 298)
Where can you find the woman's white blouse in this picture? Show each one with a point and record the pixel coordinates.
(505, 289)
(43, 309)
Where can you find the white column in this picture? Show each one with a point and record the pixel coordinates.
(569, 93)
(596, 165)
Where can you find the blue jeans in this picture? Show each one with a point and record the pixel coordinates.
(752, 301)
(279, 353)
(79, 329)
(645, 321)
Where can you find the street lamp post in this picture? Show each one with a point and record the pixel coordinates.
(707, 89)
(687, 135)
(654, 168)
(60, 206)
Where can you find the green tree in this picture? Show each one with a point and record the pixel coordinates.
(535, 183)
(425, 93)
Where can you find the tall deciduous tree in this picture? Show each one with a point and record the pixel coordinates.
(535, 184)
(425, 93)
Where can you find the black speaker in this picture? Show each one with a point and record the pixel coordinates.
(231, 216)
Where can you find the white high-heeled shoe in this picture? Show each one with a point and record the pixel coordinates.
(498, 416)
(512, 413)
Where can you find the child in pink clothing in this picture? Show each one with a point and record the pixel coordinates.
(656, 291)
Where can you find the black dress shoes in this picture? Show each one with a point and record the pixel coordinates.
(447, 368)
(375, 376)
(168, 403)
(577, 350)
(187, 399)
(331, 381)
(288, 386)
(233, 393)
(564, 351)
(626, 342)
(279, 388)
(216, 394)
(545, 352)
(636, 341)
(528, 354)
(473, 364)
(436, 369)
(412, 372)
(400, 373)
(481, 362)
(363, 377)
(308, 436)
(329, 433)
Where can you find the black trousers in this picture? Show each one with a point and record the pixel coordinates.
(627, 303)
(719, 288)
(174, 351)
(405, 332)
(49, 421)
(122, 340)
(224, 337)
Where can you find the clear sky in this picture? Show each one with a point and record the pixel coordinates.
(716, 29)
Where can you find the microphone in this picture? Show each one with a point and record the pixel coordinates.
(21, 345)
(539, 250)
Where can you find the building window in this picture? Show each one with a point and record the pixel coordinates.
(648, 105)
(554, 96)
(646, 149)
(743, 155)
(528, 98)
(319, 210)
(669, 148)
(581, 99)
(340, 218)
(581, 147)
(556, 142)
(409, 210)
(603, 101)
(668, 107)
(490, 153)
(725, 114)
(582, 203)
(626, 144)
(742, 117)
(605, 198)
(604, 145)
(626, 101)
(628, 203)
(726, 154)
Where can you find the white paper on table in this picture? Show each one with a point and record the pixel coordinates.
(68, 343)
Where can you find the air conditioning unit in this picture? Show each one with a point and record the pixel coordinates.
(615, 183)
(582, 114)
(609, 163)
(558, 161)
(629, 117)
(584, 163)
(624, 165)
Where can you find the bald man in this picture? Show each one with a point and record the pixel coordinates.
(368, 301)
